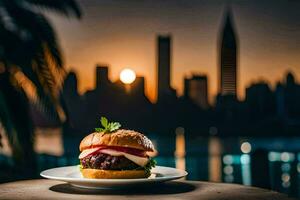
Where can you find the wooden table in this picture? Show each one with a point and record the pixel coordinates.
(49, 189)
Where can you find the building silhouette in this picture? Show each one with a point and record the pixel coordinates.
(102, 80)
(164, 67)
(136, 89)
(195, 89)
(291, 96)
(138, 86)
(260, 100)
(70, 86)
(228, 58)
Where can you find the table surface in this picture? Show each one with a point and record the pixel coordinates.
(50, 189)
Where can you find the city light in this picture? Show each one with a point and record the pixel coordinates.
(127, 76)
(246, 147)
(285, 177)
(228, 169)
(274, 156)
(285, 167)
(287, 157)
(245, 159)
(228, 159)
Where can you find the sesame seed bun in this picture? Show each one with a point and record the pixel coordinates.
(121, 138)
(113, 174)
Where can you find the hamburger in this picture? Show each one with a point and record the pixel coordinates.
(114, 153)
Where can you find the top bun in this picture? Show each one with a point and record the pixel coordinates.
(121, 138)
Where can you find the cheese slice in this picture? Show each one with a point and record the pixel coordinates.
(87, 152)
(141, 161)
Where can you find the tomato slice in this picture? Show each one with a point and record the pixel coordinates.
(136, 152)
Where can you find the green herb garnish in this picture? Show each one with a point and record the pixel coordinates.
(108, 127)
(80, 167)
(148, 166)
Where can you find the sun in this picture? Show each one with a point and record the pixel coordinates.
(127, 76)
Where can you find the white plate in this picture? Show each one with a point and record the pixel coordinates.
(72, 175)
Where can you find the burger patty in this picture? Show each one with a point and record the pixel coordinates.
(107, 162)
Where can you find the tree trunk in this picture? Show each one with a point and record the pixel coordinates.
(21, 138)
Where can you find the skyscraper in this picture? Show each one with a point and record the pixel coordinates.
(195, 88)
(70, 86)
(228, 58)
(102, 76)
(164, 67)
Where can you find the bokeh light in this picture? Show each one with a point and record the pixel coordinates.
(246, 147)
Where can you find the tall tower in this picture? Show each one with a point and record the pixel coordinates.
(164, 66)
(228, 58)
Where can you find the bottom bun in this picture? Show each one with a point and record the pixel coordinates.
(113, 174)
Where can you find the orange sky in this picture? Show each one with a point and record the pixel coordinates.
(123, 35)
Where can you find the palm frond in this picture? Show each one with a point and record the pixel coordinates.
(29, 44)
(45, 76)
(28, 80)
(9, 127)
(45, 54)
(48, 36)
(9, 42)
(10, 113)
(41, 34)
(5, 117)
(45, 73)
(65, 7)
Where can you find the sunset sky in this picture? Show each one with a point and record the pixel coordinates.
(122, 34)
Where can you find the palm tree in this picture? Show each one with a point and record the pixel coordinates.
(31, 70)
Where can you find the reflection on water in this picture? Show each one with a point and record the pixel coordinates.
(214, 149)
(230, 160)
(180, 148)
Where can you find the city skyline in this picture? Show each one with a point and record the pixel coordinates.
(264, 33)
(265, 110)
